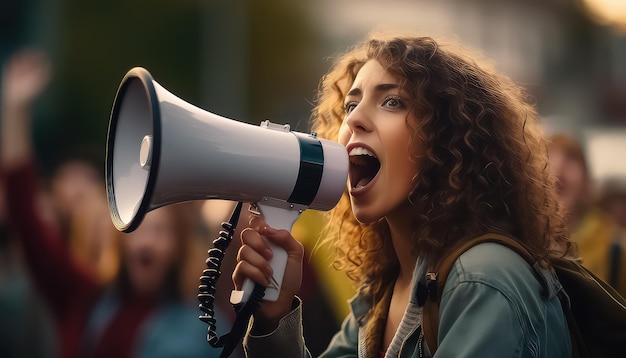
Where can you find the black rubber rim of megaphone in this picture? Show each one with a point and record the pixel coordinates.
(141, 74)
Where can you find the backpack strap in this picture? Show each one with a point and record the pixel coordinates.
(430, 315)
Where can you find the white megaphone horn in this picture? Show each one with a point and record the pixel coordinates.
(162, 150)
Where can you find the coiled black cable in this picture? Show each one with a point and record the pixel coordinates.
(207, 289)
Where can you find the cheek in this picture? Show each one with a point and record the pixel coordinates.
(406, 176)
(405, 168)
(344, 134)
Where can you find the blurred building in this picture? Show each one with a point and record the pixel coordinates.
(569, 63)
(569, 54)
(253, 61)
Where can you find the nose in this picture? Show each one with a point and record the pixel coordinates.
(356, 122)
(358, 119)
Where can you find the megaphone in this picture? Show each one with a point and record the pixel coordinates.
(162, 150)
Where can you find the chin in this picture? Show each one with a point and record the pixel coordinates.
(364, 217)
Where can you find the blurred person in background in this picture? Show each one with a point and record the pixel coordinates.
(613, 201)
(72, 200)
(593, 229)
(140, 308)
(74, 181)
(26, 327)
(92, 239)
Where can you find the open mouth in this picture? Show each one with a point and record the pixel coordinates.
(363, 167)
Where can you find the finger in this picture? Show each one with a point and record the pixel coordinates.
(244, 270)
(252, 238)
(251, 256)
(256, 222)
(279, 237)
(284, 239)
(260, 226)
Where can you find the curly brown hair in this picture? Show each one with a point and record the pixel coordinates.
(483, 159)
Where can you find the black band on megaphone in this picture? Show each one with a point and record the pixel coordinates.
(310, 173)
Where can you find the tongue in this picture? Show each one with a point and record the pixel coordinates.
(362, 182)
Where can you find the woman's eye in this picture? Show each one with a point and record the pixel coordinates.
(393, 102)
(349, 107)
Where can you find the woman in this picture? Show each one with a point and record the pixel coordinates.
(442, 149)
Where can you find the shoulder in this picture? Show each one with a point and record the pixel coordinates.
(490, 255)
(495, 291)
(495, 266)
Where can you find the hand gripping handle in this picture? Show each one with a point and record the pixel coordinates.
(278, 215)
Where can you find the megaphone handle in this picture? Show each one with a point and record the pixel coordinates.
(277, 218)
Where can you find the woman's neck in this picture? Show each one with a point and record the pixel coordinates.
(401, 232)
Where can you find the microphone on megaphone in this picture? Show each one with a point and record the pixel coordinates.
(162, 150)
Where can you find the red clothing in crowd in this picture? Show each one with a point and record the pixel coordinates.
(69, 290)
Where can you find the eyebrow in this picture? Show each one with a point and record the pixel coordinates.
(383, 87)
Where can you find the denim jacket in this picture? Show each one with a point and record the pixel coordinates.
(492, 306)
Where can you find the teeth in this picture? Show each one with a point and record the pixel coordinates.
(361, 151)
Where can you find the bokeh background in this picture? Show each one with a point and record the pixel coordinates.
(256, 60)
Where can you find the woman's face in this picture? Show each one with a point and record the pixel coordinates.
(376, 136)
(571, 177)
(150, 251)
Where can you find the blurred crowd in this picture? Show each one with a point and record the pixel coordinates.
(71, 285)
(596, 210)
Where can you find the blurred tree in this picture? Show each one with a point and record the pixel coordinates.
(263, 61)
(285, 62)
(96, 44)
(13, 18)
